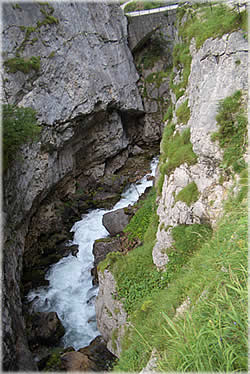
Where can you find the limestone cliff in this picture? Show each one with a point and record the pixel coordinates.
(214, 76)
(71, 63)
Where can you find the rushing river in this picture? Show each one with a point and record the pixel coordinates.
(70, 292)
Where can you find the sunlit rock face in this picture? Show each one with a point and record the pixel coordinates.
(215, 74)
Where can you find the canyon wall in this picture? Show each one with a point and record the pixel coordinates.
(71, 63)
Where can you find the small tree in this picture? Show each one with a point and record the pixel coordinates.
(19, 127)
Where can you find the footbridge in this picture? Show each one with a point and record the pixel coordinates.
(143, 23)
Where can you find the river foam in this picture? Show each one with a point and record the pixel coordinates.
(70, 292)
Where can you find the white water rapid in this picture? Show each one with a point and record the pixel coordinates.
(70, 292)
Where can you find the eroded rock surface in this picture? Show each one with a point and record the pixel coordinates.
(214, 76)
(110, 314)
(89, 108)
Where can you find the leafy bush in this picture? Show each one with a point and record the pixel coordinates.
(19, 127)
(188, 194)
(232, 133)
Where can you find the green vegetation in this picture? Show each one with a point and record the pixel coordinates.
(139, 223)
(19, 127)
(212, 335)
(25, 65)
(175, 150)
(203, 21)
(181, 59)
(183, 113)
(232, 133)
(188, 194)
(52, 54)
(143, 5)
(157, 77)
(211, 22)
(152, 53)
(169, 114)
(135, 273)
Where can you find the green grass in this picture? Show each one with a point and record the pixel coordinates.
(169, 114)
(142, 5)
(140, 221)
(232, 132)
(183, 113)
(181, 59)
(25, 65)
(19, 127)
(212, 22)
(175, 150)
(213, 336)
(135, 273)
(188, 194)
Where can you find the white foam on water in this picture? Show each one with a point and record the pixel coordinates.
(70, 292)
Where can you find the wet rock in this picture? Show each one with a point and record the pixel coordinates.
(103, 246)
(76, 361)
(44, 328)
(115, 221)
(98, 353)
(110, 314)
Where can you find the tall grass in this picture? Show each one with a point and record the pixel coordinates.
(212, 21)
(212, 335)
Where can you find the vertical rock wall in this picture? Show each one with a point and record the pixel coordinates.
(84, 91)
(214, 76)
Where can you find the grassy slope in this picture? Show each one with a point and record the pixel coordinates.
(212, 335)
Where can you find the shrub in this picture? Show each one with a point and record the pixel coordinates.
(188, 194)
(19, 127)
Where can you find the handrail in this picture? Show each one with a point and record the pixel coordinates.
(151, 11)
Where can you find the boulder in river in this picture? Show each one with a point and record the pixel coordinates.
(76, 361)
(103, 246)
(45, 328)
(115, 221)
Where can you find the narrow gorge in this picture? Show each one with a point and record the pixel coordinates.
(109, 93)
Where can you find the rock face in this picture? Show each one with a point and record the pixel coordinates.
(90, 112)
(110, 314)
(214, 76)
